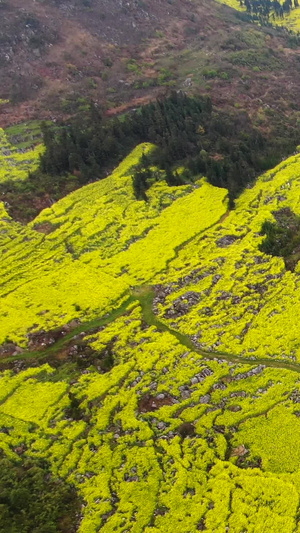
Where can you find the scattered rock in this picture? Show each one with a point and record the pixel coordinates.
(227, 240)
(206, 311)
(234, 408)
(225, 295)
(205, 372)
(201, 525)
(188, 82)
(244, 375)
(257, 287)
(237, 394)
(148, 402)
(42, 339)
(205, 399)
(219, 429)
(182, 305)
(240, 451)
(295, 396)
(219, 386)
(183, 388)
(195, 276)
(259, 260)
(45, 228)
(160, 396)
(185, 394)
(189, 492)
(243, 462)
(161, 511)
(9, 349)
(161, 293)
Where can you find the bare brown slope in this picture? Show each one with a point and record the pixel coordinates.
(56, 55)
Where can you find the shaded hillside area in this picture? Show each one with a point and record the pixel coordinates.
(56, 56)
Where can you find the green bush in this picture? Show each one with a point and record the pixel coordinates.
(31, 501)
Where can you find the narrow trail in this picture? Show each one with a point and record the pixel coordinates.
(144, 295)
(85, 327)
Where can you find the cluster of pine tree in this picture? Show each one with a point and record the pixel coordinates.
(266, 9)
(225, 147)
(91, 142)
(31, 501)
(144, 175)
(282, 237)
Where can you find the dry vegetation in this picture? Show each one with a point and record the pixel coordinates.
(57, 56)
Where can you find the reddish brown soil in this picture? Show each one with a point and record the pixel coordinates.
(83, 52)
(43, 339)
(152, 403)
(45, 228)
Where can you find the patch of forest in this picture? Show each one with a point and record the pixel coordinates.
(31, 500)
(282, 237)
(265, 10)
(188, 132)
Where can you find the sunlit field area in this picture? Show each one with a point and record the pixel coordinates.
(150, 353)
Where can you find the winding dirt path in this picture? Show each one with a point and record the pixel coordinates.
(144, 295)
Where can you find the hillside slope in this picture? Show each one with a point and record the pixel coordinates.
(90, 247)
(156, 366)
(56, 56)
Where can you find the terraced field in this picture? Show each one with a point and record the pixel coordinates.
(88, 249)
(150, 353)
(17, 158)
